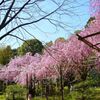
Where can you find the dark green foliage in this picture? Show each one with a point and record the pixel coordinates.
(94, 75)
(2, 87)
(86, 84)
(5, 55)
(33, 46)
(14, 52)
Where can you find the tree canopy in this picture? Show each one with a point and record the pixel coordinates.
(33, 46)
(5, 55)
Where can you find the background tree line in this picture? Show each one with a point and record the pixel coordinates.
(31, 45)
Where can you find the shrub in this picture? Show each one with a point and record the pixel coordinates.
(85, 84)
(15, 92)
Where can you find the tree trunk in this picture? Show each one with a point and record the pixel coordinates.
(83, 77)
(46, 91)
(42, 92)
(69, 88)
(13, 96)
(61, 84)
(30, 87)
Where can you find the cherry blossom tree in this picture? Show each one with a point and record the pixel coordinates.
(21, 70)
(55, 62)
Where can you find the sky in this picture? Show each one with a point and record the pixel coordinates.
(46, 32)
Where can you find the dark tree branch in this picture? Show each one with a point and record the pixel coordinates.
(17, 37)
(1, 2)
(97, 33)
(88, 43)
(16, 14)
(6, 15)
(96, 44)
(30, 22)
